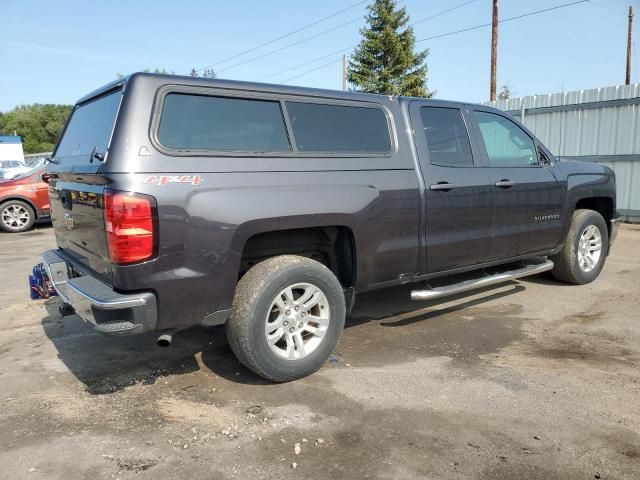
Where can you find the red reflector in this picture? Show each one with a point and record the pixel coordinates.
(129, 226)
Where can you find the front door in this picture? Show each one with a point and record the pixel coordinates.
(458, 189)
(527, 198)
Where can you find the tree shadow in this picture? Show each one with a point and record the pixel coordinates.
(109, 364)
(545, 279)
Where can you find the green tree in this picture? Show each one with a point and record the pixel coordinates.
(505, 92)
(39, 125)
(162, 71)
(206, 73)
(385, 61)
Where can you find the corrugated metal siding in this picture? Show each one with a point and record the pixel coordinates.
(627, 185)
(602, 124)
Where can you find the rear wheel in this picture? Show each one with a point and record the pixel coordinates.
(287, 317)
(581, 259)
(16, 216)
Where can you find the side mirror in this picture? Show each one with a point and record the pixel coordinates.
(45, 177)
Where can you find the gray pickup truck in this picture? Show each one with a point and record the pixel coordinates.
(179, 201)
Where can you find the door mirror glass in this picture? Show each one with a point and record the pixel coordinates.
(507, 145)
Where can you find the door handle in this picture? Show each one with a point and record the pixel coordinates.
(504, 183)
(442, 186)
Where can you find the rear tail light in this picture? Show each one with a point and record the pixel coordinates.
(130, 225)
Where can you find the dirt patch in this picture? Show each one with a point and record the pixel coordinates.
(583, 317)
(584, 348)
(100, 386)
(174, 409)
(461, 334)
(623, 442)
(135, 465)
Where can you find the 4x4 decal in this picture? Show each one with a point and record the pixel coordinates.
(163, 180)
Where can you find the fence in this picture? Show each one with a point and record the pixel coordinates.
(35, 156)
(600, 125)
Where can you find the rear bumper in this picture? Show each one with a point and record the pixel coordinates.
(110, 312)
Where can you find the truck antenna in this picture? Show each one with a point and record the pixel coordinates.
(561, 120)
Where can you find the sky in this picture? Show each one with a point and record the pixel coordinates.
(55, 52)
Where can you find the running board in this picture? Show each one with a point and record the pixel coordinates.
(481, 282)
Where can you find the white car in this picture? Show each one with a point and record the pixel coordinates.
(6, 166)
(12, 168)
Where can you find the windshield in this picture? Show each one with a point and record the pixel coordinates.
(89, 128)
(11, 164)
(28, 173)
(35, 163)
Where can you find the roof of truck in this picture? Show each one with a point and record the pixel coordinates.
(160, 79)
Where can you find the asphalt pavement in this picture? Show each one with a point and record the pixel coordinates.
(532, 379)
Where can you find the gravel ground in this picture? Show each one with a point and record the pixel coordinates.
(533, 379)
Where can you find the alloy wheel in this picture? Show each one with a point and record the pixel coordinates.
(15, 217)
(297, 321)
(589, 248)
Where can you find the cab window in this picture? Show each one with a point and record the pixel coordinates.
(507, 145)
(202, 122)
(332, 129)
(447, 137)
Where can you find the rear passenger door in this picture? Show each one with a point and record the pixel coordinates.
(458, 189)
(527, 198)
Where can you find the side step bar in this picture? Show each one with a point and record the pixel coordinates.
(481, 282)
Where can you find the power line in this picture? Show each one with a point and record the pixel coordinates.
(317, 59)
(442, 12)
(296, 43)
(309, 25)
(304, 64)
(312, 70)
(289, 45)
(421, 40)
(607, 7)
(475, 27)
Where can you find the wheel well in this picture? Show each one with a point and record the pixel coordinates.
(602, 205)
(332, 246)
(28, 202)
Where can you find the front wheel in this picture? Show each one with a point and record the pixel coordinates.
(581, 259)
(287, 317)
(16, 216)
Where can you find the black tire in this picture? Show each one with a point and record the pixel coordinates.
(566, 266)
(23, 226)
(252, 303)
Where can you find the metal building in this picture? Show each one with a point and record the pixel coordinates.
(598, 125)
(11, 148)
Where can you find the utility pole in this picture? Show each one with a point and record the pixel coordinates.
(627, 80)
(494, 51)
(344, 73)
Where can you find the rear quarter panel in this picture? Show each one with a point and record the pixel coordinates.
(29, 189)
(203, 228)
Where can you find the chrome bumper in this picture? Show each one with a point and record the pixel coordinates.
(96, 302)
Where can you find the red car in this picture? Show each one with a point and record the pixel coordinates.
(24, 200)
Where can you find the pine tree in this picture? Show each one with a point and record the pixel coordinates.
(505, 93)
(385, 61)
(206, 73)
